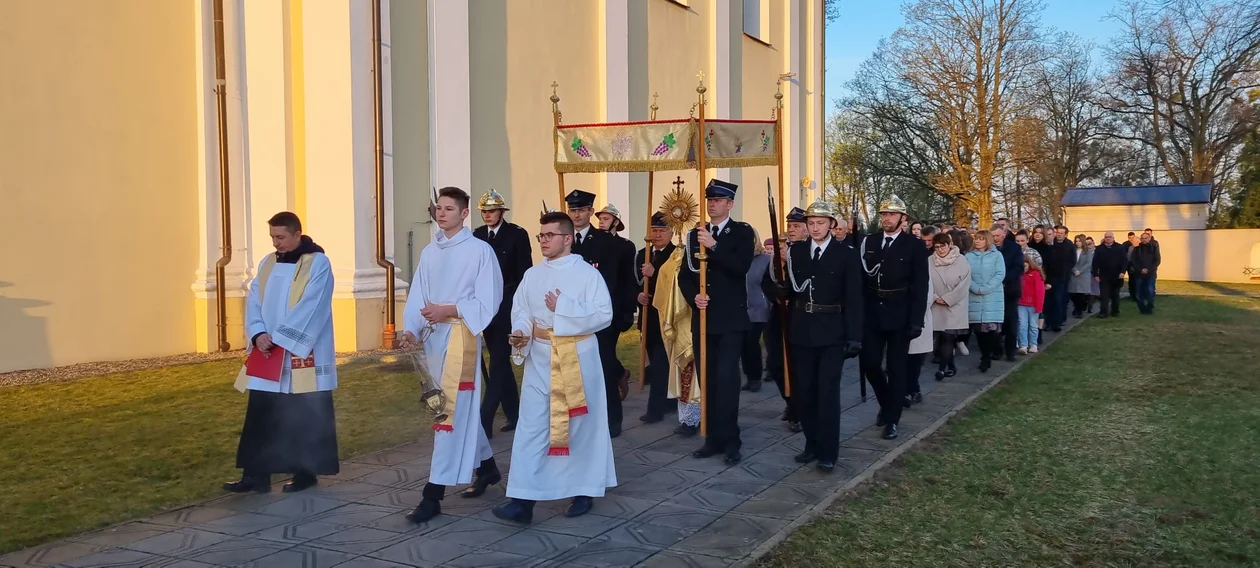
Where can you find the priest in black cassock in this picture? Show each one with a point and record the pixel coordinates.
(512, 248)
(601, 249)
(290, 426)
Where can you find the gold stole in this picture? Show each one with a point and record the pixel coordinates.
(675, 316)
(302, 371)
(460, 362)
(568, 396)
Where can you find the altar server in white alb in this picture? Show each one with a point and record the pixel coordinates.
(455, 294)
(290, 426)
(562, 446)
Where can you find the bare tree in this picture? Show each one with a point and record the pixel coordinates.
(1181, 73)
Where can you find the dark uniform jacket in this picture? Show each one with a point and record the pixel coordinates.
(512, 247)
(835, 282)
(727, 284)
(896, 294)
(658, 258)
(607, 253)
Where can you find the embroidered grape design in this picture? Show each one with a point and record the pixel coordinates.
(580, 148)
(667, 144)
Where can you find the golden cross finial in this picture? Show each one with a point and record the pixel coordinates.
(554, 97)
(654, 108)
(678, 183)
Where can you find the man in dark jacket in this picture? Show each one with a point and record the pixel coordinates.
(1129, 245)
(513, 250)
(657, 371)
(1110, 262)
(1058, 272)
(1145, 262)
(780, 319)
(1013, 254)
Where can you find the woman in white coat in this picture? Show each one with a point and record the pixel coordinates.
(950, 275)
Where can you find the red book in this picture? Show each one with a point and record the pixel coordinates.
(268, 368)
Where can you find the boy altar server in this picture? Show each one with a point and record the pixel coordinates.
(454, 295)
(562, 446)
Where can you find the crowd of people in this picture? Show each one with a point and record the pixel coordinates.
(705, 305)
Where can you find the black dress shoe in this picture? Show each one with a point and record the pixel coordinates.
(651, 418)
(1010, 358)
(705, 451)
(890, 432)
(916, 398)
(248, 484)
(940, 375)
(508, 427)
(614, 431)
(805, 457)
(514, 511)
(826, 465)
(581, 505)
(299, 482)
(753, 386)
(733, 457)
(951, 372)
(686, 431)
(425, 511)
(794, 425)
(480, 484)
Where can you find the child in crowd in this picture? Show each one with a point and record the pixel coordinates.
(1031, 300)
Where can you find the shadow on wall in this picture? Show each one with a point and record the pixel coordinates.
(24, 336)
(488, 86)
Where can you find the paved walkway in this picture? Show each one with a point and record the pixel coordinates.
(669, 510)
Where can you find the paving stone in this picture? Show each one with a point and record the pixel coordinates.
(353, 470)
(661, 484)
(386, 457)
(353, 515)
(302, 506)
(178, 543)
(296, 532)
(123, 534)
(491, 559)
(398, 523)
(538, 545)
(348, 491)
(178, 563)
(707, 499)
(369, 562)
(605, 552)
(396, 476)
(395, 498)
(359, 540)
(422, 551)
(679, 517)
(588, 525)
(235, 551)
(772, 508)
(673, 559)
(114, 557)
(190, 516)
(732, 536)
(49, 554)
(740, 488)
(622, 506)
(301, 557)
(645, 457)
(474, 533)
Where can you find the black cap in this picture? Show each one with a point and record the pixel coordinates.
(796, 214)
(578, 199)
(658, 220)
(719, 189)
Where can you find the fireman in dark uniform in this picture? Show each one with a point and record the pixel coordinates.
(657, 372)
(895, 266)
(773, 334)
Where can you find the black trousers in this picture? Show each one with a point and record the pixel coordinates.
(1078, 303)
(773, 335)
(288, 433)
(817, 381)
(750, 355)
(435, 491)
(1109, 295)
(914, 367)
(721, 389)
(500, 382)
(886, 349)
(612, 375)
(1010, 323)
(989, 342)
(1133, 290)
(657, 372)
(945, 344)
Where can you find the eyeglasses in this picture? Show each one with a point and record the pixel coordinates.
(544, 237)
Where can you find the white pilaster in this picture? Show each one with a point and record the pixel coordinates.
(387, 135)
(818, 97)
(450, 104)
(340, 166)
(615, 102)
(268, 176)
(719, 72)
(794, 102)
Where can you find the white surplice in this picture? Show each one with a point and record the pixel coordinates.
(582, 308)
(462, 271)
(305, 329)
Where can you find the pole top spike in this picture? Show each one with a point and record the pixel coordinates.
(654, 95)
(701, 88)
(555, 99)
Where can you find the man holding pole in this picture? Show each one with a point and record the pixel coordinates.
(657, 370)
(774, 333)
(728, 245)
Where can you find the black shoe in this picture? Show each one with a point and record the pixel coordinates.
(248, 484)
(1102, 315)
(733, 457)
(794, 425)
(508, 427)
(785, 415)
(879, 420)
(890, 432)
(651, 418)
(1076, 315)
(686, 431)
(581, 505)
(906, 402)
(753, 386)
(481, 483)
(614, 431)
(1057, 329)
(1010, 358)
(514, 511)
(952, 371)
(826, 466)
(916, 398)
(984, 365)
(299, 482)
(940, 375)
(705, 451)
(805, 457)
(425, 511)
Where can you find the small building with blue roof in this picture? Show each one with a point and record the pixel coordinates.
(1158, 207)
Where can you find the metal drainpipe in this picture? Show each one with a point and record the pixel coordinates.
(220, 266)
(388, 335)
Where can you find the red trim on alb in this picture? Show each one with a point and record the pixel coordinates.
(574, 412)
(561, 451)
(443, 428)
(467, 386)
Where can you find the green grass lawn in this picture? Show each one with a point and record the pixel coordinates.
(101, 450)
(1133, 441)
(1185, 288)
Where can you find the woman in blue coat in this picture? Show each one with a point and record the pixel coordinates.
(985, 301)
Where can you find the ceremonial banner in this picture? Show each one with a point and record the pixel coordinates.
(624, 146)
(739, 143)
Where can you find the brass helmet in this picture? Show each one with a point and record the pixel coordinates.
(612, 210)
(492, 200)
(820, 208)
(893, 204)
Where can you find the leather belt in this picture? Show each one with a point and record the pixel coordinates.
(881, 293)
(812, 308)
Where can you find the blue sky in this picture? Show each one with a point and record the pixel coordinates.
(852, 38)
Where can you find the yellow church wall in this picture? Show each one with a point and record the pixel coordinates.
(409, 73)
(519, 48)
(98, 190)
(761, 67)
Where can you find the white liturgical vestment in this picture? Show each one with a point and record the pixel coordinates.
(304, 330)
